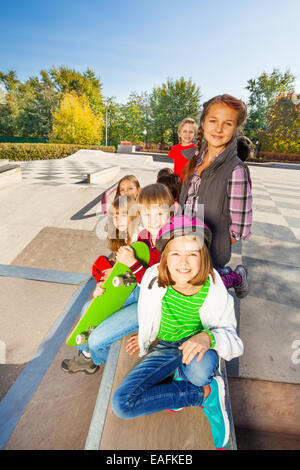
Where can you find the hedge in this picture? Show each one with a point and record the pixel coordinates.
(278, 157)
(44, 151)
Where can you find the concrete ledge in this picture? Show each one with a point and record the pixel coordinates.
(265, 406)
(4, 162)
(103, 176)
(108, 432)
(124, 148)
(9, 174)
(148, 160)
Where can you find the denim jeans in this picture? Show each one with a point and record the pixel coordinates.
(142, 393)
(119, 324)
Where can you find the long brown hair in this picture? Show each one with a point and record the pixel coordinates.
(241, 109)
(115, 238)
(130, 178)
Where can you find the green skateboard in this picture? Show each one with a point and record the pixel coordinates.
(118, 286)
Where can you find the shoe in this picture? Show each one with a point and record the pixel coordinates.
(79, 364)
(226, 270)
(214, 408)
(242, 289)
(177, 378)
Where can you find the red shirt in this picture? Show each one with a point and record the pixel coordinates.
(179, 160)
(137, 268)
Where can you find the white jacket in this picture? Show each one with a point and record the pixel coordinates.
(217, 315)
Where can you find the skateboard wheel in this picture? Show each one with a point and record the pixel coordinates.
(80, 339)
(117, 281)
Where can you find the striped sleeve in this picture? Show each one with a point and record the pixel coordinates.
(240, 204)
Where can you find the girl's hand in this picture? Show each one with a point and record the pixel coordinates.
(125, 255)
(106, 274)
(98, 290)
(198, 344)
(132, 345)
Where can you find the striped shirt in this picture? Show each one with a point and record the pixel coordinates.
(180, 314)
(239, 199)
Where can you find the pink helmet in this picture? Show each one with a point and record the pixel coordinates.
(182, 225)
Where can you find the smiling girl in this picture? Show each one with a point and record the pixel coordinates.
(218, 179)
(183, 152)
(184, 304)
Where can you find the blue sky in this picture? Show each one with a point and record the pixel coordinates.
(133, 45)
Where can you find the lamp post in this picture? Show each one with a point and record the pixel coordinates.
(106, 124)
(145, 134)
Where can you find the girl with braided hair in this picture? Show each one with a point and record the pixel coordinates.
(217, 178)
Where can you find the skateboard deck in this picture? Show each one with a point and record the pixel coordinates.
(118, 286)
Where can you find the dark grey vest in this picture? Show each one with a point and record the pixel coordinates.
(212, 193)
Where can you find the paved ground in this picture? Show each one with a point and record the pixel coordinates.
(49, 222)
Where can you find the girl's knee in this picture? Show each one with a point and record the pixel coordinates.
(94, 341)
(201, 373)
(119, 406)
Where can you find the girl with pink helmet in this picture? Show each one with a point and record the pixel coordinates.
(184, 303)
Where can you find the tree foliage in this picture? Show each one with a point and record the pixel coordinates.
(170, 104)
(75, 123)
(263, 91)
(283, 132)
(29, 106)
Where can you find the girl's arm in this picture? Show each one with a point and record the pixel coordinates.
(227, 342)
(240, 204)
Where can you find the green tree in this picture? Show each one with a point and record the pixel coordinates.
(9, 105)
(135, 117)
(27, 110)
(29, 106)
(75, 123)
(115, 121)
(283, 132)
(67, 80)
(263, 91)
(170, 104)
(37, 102)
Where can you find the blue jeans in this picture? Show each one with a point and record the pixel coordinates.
(142, 393)
(119, 324)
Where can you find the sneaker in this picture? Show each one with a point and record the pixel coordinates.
(177, 378)
(215, 410)
(79, 364)
(242, 289)
(226, 270)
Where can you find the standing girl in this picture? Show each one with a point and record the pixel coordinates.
(188, 308)
(184, 151)
(217, 178)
